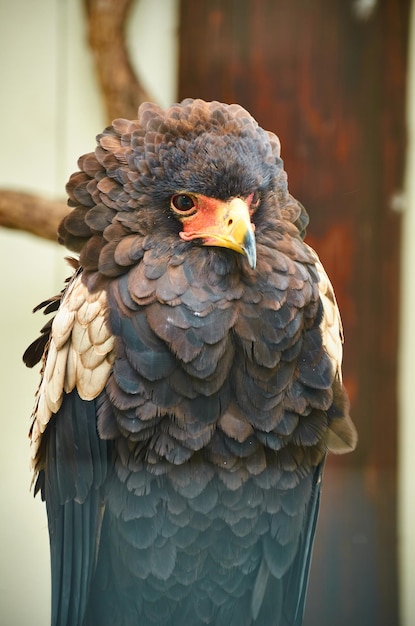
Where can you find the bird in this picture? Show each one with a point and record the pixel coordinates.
(191, 382)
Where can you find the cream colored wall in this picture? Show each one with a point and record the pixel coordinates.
(406, 493)
(50, 112)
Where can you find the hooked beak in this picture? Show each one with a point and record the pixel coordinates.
(223, 224)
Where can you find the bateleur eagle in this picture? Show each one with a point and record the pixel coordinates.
(191, 380)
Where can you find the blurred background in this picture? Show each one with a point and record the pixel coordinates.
(335, 79)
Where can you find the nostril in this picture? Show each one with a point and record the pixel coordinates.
(230, 222)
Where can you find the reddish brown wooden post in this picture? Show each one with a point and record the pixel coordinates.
(329, 79)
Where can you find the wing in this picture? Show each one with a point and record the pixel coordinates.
(280, 599)
(69, 457)
(342, 436)
(290, 590)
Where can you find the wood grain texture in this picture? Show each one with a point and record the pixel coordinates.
(31, 213)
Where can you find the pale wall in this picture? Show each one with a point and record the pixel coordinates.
(50, 112)
(406, 492)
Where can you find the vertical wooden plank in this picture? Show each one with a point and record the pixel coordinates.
(329, 78)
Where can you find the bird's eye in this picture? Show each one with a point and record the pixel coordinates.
(183, 203)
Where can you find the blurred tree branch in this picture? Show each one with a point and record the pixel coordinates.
(122, 93)
(32, 213)
(120, 87)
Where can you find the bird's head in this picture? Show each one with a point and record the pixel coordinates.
(196, 174)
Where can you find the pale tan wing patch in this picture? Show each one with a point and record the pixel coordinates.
(79, 354)
(331, 324)
(342, 434)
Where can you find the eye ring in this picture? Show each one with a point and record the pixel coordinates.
(183, 203)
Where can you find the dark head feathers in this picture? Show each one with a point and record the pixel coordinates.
(124, 187)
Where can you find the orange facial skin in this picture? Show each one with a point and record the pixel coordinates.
(217, 223)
